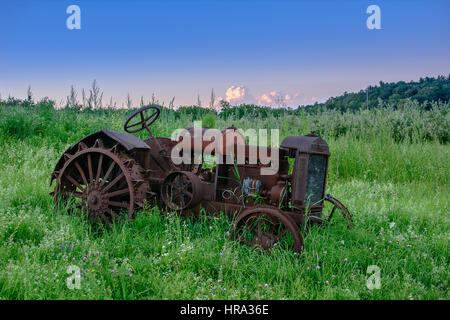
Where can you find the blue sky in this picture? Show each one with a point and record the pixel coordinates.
(302, 51)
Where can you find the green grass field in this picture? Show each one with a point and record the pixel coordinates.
(389, 166)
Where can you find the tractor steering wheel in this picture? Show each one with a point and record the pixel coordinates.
(144, 122)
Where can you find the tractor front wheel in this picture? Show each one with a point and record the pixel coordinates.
(266, 227)
(334, 206)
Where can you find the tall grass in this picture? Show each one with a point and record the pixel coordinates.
(400, 144)
(389, 166)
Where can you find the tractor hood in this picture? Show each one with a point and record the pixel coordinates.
(310, 143)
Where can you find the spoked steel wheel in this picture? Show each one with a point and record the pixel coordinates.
(266, 227)
(98, 182)
(181, 190)
(333, 207)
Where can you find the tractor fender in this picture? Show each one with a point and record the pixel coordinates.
(109, 138)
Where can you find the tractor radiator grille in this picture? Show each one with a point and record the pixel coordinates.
(315, 180)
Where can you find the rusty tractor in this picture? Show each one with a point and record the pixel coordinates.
(109, 175)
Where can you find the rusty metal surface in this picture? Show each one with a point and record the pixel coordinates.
(128, 141)
(181, 190)
(144, 121)
(266, 227)
(109, 139)
(108, 171)
(100, 182)
(338, 205)
(310, 143)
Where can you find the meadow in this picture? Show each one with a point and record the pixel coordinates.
(389, 165)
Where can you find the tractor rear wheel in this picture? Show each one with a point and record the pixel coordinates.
(101, 183)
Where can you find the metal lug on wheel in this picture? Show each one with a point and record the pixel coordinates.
(98, 143)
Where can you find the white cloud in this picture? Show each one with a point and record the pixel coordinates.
(217, 103)
(236, 95)
(277, 98)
